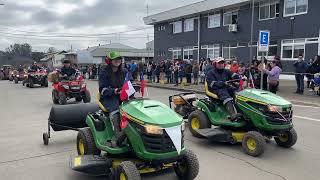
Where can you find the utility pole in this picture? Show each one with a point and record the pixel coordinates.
(251, 39)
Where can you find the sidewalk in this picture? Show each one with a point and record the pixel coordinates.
(286, 90)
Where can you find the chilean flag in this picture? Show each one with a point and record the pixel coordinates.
(142, 84)
(241, 83)
(251, 83)
(127, 89)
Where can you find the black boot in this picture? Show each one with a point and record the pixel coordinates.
(234, 116)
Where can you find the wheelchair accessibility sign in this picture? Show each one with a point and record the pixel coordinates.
(264, 40)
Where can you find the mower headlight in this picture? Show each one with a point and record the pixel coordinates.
(65, 86)
(183, 126)
(83, 85)
(275, 108)
(151, 129)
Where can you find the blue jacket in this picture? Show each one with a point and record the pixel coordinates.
(216, 78)
(110, 100)
(301, 67)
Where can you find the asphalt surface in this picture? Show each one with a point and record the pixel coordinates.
(24, 113)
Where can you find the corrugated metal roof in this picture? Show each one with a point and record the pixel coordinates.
(195, 8)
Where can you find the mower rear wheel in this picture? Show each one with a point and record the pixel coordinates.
(253, 143)
(45, 138)
(198, 120)
(87, 97)
(86, 144)
(62, 97)
(188, 167)
(55, 100)
(287, 139)
(127, 170)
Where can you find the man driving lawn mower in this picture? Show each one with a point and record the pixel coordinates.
(217, 80)
(111, 79)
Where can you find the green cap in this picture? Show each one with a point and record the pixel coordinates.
(114, 55)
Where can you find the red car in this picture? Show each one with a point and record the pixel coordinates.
(68, 88)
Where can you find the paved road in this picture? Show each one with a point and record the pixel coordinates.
(24, 114)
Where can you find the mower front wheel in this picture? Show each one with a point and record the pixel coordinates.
(188, 167)
(198, 120)
(87, 97)
(287, 139)
(86, 144)
(127, 170)
(253, 143)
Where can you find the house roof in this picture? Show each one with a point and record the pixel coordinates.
(191, 9)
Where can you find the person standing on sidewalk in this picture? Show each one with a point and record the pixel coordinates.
(176, 73)
(273, 76)
(195, 71)
(300, 69)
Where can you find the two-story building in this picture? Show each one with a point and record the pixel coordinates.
(222, 28)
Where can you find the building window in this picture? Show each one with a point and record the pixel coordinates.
(269, 9)
(230, 17)
(176, 53)
(162, 28)
(295, 7)
(188, 25)
(229, 51)
(177, 27)
(213, 51)
(188, 52)
(292, 48)
(214, 21)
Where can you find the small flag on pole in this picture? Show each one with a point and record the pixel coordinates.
(142, 84)
(127, 89)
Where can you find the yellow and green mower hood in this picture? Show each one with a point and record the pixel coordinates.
(262, 97)
(150, 112)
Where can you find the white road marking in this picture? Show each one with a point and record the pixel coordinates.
(306, 106)
(307, 118)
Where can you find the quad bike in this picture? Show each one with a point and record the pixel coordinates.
(263, 115)
(153, 141)
(11, 75)
(315, 86)
(70, 87)
(21, 76)
(36, 77)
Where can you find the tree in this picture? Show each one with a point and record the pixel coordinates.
(52, 50)
(36, 56)
(19, 50)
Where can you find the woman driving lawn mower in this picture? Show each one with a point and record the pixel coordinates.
(111, 79)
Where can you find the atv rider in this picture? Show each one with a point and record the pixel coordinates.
(20, 69)
(217, 80)
(111, 79)
(34, 67)
(67, 71)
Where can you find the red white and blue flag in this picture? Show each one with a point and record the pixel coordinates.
(127, 89)
(241, 83)
(142, 84)
(251, 83)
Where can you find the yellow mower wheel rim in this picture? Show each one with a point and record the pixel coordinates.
(251, 144)
(195, 123)
(284, 138)
(81, 146)
(123, 176)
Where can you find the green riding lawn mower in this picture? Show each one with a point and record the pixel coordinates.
(153, 142)
(263, 115)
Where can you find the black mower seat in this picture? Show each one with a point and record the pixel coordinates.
(101, 106)
(208, 93)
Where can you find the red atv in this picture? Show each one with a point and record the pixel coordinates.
(70, 87)
(21, 76)
(36, 77)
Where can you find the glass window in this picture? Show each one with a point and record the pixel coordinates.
(298, 50)
(213, 51)
(293, 7)
(214, 21)
(291, 49)
(176, 53)
(226, 52)
(230, 17)
(188, 52)
(269, 10)
(177, 27)
(287, 52)
(229, 52)
(188, 25)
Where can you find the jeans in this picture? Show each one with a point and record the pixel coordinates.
(300, 82)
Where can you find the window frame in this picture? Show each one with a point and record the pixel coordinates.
(229, 47)
(188, 21)
(213, 47)
(234, 11)
(269, 57)
(188, 49)
(174, 24)
(295, 9)
(213, 16)
(176, 50)
(270, 3)
(292, 44)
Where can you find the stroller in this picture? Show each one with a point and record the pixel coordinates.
(316, 84)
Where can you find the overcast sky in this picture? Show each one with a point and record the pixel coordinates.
(34, 21)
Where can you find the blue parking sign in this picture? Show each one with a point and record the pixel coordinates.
(264, 37)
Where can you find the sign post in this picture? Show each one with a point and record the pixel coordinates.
(263, 46)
